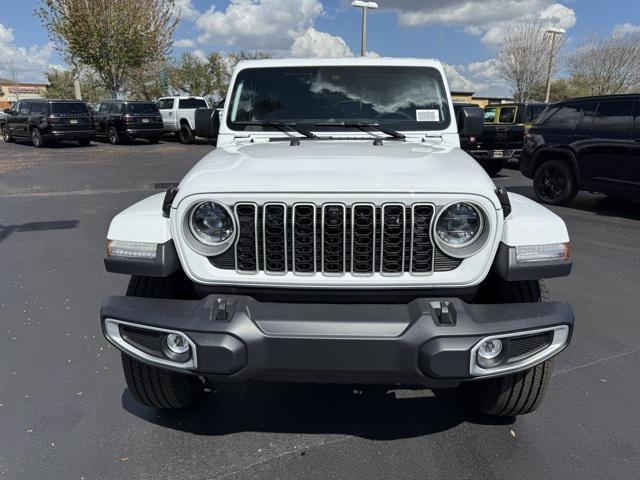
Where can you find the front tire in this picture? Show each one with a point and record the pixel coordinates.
(518, 393)
(84, 142)
(555, 183)
(185, 134)
(152, 386)
(6, 136)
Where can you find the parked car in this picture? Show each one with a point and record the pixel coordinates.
(178, 115)
(590, 143)
(122, 120)
(45, 121)
(338, 234)
(523, 114)
(476, 146)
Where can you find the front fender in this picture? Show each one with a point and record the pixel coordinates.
(530, 224)
(144, 222)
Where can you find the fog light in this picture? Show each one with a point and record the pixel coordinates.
(556, 252)
(177, 343)
(121, 248)
(489, 351)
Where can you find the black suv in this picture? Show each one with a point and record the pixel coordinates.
(122, 120)
(46, 121)
(590, 143)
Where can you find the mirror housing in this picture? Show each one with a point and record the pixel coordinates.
(8, 111)
(471, 121)
(207, 123)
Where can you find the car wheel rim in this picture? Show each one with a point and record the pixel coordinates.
(112, 136)
(5, 135)
(35, 137)
(551, 184)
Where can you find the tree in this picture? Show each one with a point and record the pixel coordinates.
(191, 75)
(112, 37)
(235, 57)
(61, 85)
(561, 89)
(524, 56)
(607, 66)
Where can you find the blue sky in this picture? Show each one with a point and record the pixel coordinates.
(462, 33)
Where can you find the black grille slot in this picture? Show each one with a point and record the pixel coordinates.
(335, 239)
(421, 246)
(275, 238)
(149, 341)
(304, 238)
(393, 239)
(363, 237)
(247, 244)
(529, 344)
(334, 225)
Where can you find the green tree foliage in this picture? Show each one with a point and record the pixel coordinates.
(61, 85)
(561, 89)
(113, 37)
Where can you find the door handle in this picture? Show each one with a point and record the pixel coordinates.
(582, 137)
(637, 140)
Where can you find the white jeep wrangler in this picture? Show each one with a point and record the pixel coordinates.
(338, 234)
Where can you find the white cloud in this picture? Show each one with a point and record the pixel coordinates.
(27, 64)
(457, 81)
(626, 28)
(320, 44)
(184, 43)
(487, 19)
(186, 10)
(261, 24)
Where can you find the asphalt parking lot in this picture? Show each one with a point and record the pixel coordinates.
(65, 412)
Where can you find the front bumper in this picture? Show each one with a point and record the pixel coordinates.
(237, 338)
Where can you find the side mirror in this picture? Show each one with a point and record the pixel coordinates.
(471, 121)
(207, 123)
(8, 111)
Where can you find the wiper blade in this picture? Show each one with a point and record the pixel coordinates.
(283, 126)
(363, 126)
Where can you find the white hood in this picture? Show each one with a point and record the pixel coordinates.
(340, 166)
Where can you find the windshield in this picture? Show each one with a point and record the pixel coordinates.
(192, 103)
(71, 107)
(142, 108)
(401, 98)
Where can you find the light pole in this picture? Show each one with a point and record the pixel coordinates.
(364, 6)
(553, 31)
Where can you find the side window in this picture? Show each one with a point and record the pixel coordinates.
(507, 115)
(40, 108)
(565, 117)
(16, 107)
(613, 117)
(24, 108)
(105, 107)
(588, 112)
(165, 104)
(637, 121)
(489, 115)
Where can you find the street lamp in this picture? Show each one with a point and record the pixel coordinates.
(364, 6)
(553, 31)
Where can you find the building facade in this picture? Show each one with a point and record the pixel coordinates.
(11, 92)
(468, 97)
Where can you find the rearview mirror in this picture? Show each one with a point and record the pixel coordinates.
(471, 121)
(207, 123)
(8, 111)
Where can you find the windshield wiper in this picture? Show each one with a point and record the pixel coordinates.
(283, 126)
(363, 126)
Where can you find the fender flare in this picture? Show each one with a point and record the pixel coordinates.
(565, 152)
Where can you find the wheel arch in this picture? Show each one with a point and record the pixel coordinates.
(555, 153)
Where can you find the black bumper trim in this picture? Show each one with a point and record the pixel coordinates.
(165, 263)
(318, 342)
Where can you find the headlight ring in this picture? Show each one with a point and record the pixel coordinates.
(459, 229)
(209, 227)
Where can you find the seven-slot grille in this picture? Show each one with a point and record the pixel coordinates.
(335, 239)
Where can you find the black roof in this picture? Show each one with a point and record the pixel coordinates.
(51, 100)
(126, 101)
(601, 97)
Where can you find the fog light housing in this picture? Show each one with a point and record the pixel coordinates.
(489, 353)
(177, 343)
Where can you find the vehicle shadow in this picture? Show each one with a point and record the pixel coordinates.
(595, 203)
(59, 145)
(316, 409)
(6, 230)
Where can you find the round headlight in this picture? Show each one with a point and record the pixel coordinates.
(459, 225)
(211, 223)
